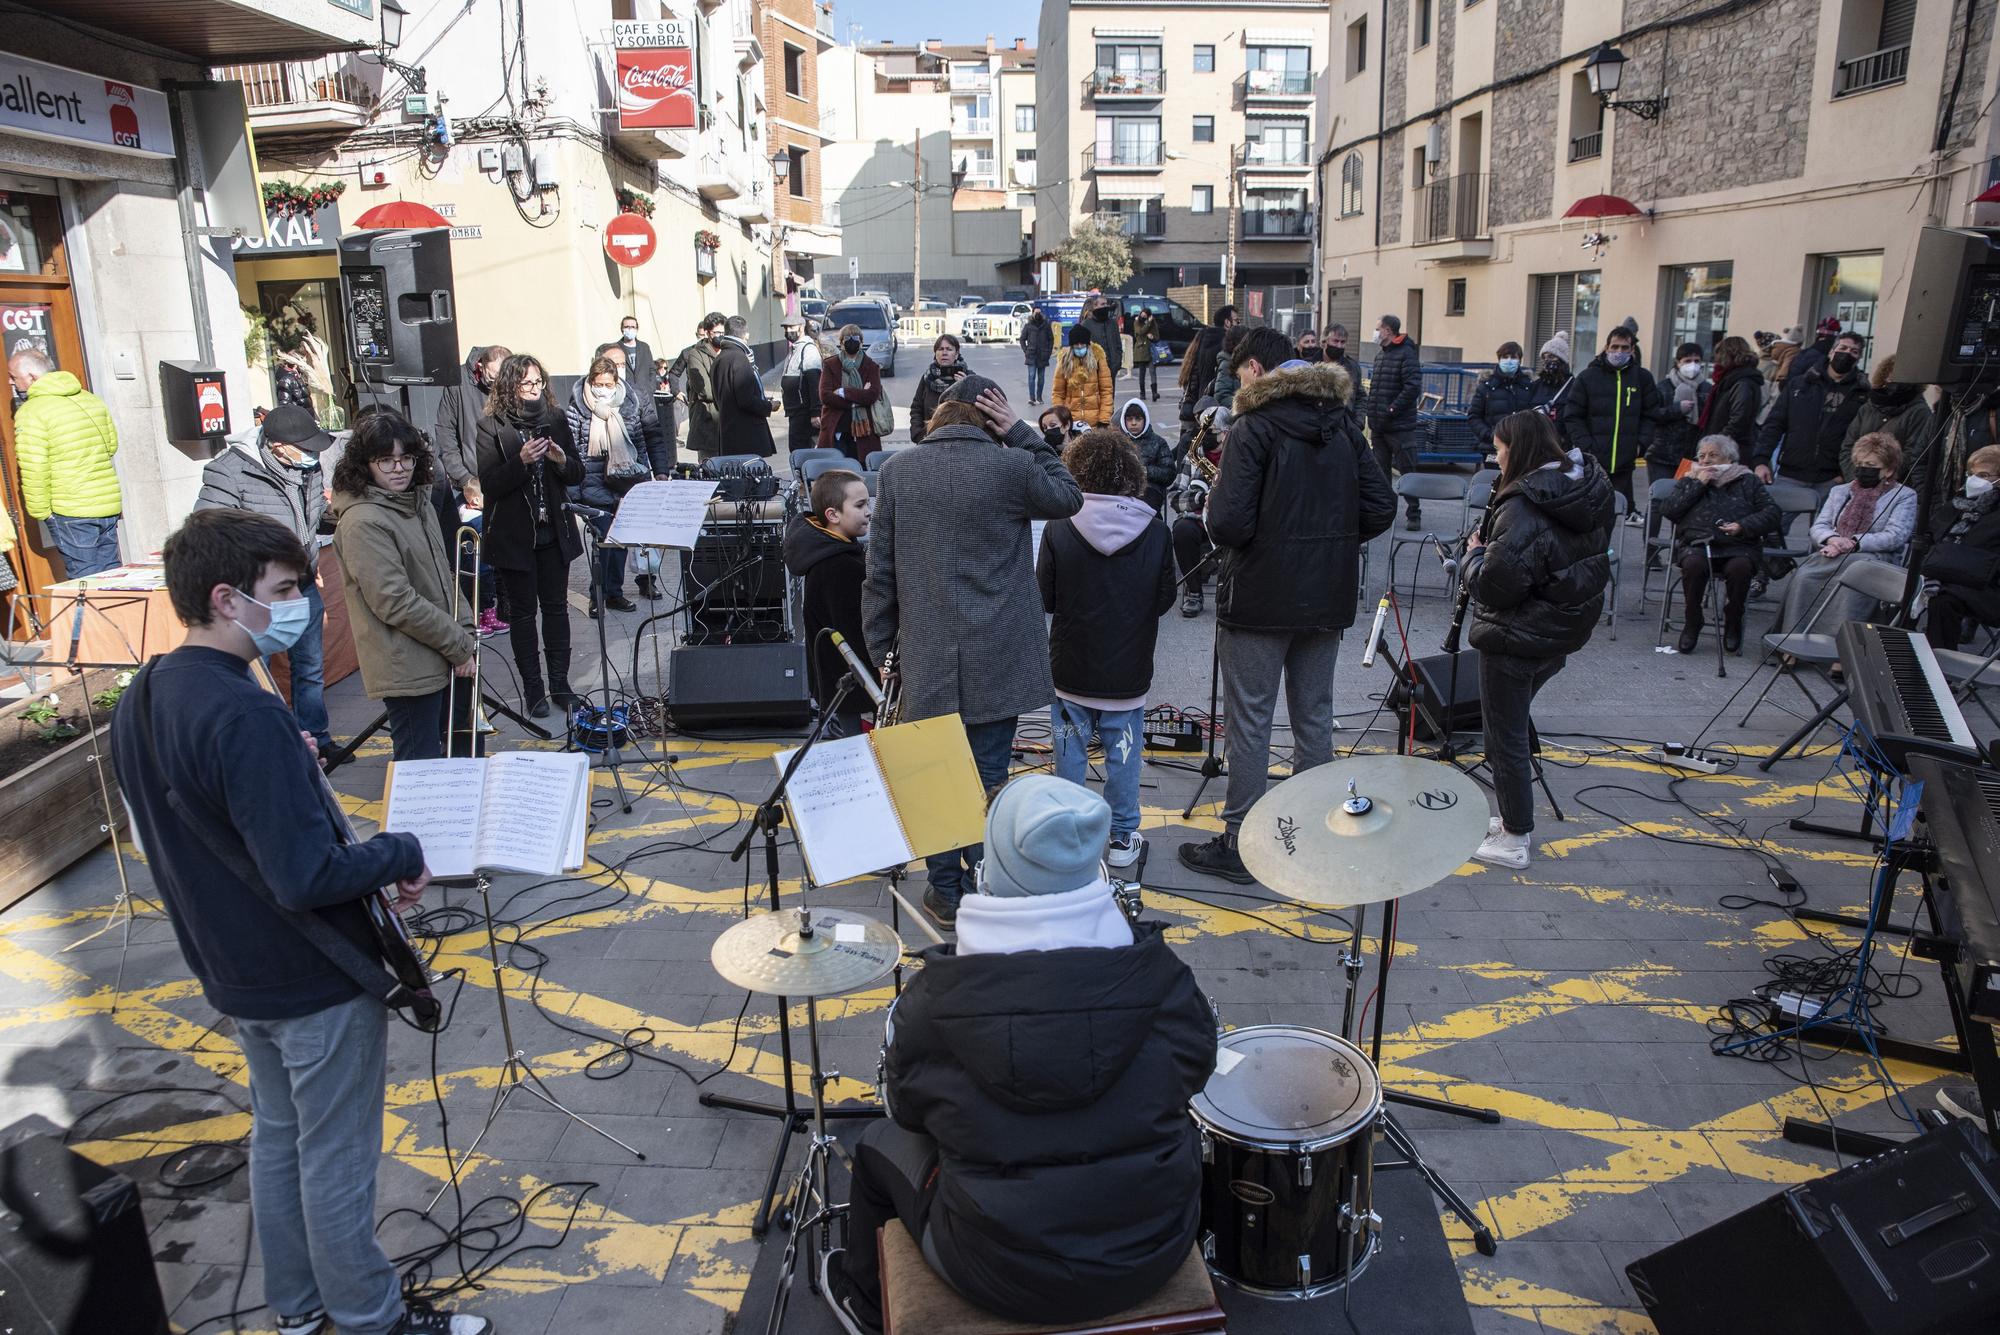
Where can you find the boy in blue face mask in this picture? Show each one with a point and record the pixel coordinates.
(1511, 389)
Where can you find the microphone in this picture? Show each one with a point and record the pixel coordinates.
(588, 511)
(857, 667)
(1449, 561)
(1375, 632)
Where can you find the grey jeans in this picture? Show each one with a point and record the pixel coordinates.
(316, 1087)
(1252, 663)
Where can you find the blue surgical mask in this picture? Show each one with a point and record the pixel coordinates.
(289, 619)
(1618, 359)
(1509, 365)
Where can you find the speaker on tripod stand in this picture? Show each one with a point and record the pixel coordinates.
(397, 294)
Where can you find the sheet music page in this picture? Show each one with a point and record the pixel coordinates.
(529, 811)
(841, 810)
(437, 801)
(662, 514)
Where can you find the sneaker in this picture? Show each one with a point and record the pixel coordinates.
(490, 624)
(941, 906)
(1633, 519)
(1191, 603)
(1125, 849)
(1494, 825)
(848, 1306)
(1963, 1101)
(1217, 857)
(618, 602)
(429, 1321)
(312, 1323)
(1502, 849)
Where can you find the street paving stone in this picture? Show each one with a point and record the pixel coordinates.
(1572, 997)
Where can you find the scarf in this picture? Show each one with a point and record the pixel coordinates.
(850, 370)
(609, 440)
(1727, 474)
(1858, 515)
(529, 418)
(1970, 510)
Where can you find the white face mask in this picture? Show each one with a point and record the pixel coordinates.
(1976, 485)
(1691, 370)
(629, 335)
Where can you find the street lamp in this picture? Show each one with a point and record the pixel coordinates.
(1605, 71)
(781, 166)
(393, 15)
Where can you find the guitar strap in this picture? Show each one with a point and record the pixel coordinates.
(364, 969)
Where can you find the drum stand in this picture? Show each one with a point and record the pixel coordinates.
(515, 1073)
(1352, 963)
(810, 1202)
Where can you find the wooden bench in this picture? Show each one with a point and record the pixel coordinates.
(917, 1301)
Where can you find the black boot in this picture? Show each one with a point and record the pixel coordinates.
(563, 696)
(1732, 629)
(535, 696)
(1691, 632)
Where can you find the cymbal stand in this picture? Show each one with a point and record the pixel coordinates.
(1211, 764)
(811, 1203)
(515, 1073)
(769, 816)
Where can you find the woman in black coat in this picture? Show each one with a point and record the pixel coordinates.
(946, 370)
(1506, 391)
(1536, 573)
(1965, 563)
(1038, 344)
(1719, 499)
(1737, 398)
(527, 462)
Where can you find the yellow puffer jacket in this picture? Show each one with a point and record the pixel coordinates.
(1083, 385)
(65, 439)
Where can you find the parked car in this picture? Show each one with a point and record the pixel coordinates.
(877, 326)
(814, 308)
(971, 299)
(1177, 324)
(997, 322)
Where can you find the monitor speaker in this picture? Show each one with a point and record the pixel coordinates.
(1434, 683)
(739, 685)
(396, 293)
(1904, 1243)
(73, 1253)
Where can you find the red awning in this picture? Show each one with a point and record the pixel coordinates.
(400, 213)
(1603, 206)
(1990, 195)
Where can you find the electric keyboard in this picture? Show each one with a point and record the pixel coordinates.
(1900, 696)
(1961, 809)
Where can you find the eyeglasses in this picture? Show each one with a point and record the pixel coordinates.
(396, 463)
(526, 383)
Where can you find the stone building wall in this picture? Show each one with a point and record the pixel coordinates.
(1528, 34)
(1395, 72)
(1965, 115)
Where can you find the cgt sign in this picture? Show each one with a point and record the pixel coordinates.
(55, 102)
(655, 74)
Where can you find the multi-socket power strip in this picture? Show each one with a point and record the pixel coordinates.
(1681, 756)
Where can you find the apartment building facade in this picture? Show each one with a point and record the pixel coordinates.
(795, 33)
(1192, 123)
(1760, 164)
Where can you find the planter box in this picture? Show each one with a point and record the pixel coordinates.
(52, 815)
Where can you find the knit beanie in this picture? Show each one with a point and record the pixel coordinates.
(969, 387)
(1559, 345)
(1078, 334)
(1044, 836)
(1630, 324)
(1793, 334)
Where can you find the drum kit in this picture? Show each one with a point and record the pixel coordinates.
(1289, 1121)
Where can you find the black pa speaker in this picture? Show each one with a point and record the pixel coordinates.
(1904, 1243)
(733, 584)
(396, 294)
(1434, 683)
(73, 1253)
(739, 685)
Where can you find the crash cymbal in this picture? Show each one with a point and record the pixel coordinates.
(767, 954)
(1363, 829)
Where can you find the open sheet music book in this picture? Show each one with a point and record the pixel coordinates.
(522, 811)
(863, 803)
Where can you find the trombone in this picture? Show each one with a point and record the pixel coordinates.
(479, 725)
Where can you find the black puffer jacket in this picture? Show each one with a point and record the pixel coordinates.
(1299, 493)
(1732, 410)
(1499, 394)
(1538, 582)
(1038, 340)
(1107, 577)
(1056, 1084)
(1395, 382)
(1697, 508)
(1808, 423)
(1677, 432)
(1198, 369)
(1103, 329)
(931, 387)
(1610, 413)
(833, 569)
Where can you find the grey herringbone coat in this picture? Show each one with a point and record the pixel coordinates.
(951, 574)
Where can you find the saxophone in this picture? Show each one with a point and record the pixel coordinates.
(1198, 473)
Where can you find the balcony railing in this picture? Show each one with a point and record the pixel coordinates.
(1128, 83)
(295, 83)
(970, 80)
(1144, 224)
(1275, 83)
(823, 22)
(1453, 209)
(1277, 224)
(1124, 157)
(1877, 69)
(972, 127)
(1586, 146)
(1260, 153)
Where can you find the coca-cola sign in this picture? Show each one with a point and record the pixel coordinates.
(655, 69)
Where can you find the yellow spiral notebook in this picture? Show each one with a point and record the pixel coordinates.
(862, 804)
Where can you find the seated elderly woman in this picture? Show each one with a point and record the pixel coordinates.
(1964, 566)
(1721, 515)
(1873, 515)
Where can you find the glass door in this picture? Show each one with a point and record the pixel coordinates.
(1848, 289)
(37, 312)
(302, 336)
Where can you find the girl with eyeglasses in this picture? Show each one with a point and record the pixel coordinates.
(527, 462)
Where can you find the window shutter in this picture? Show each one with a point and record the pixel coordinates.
(1899, 20)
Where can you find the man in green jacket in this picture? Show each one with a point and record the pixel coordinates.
(64, 438)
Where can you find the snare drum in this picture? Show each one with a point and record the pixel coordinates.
(1288, 1129)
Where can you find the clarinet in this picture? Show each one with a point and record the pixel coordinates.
(1465, 589)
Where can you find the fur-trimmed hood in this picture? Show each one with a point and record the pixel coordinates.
(1323, 380)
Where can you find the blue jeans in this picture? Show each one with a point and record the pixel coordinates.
(992, 751)
(316, 1086)
(308, 662)
(88, 546)
(1038, 380)
(1124, 749)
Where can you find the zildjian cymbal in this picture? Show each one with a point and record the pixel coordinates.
(769, 954)
(1363, 829)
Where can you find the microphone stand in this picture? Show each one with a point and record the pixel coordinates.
(792, 1118)
(1211, 765)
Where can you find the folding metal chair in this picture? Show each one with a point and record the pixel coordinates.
(1620, 508)
(1873, 579)
(1794, 501)
(1427, 487)
(800, 458)
(1659, 538)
